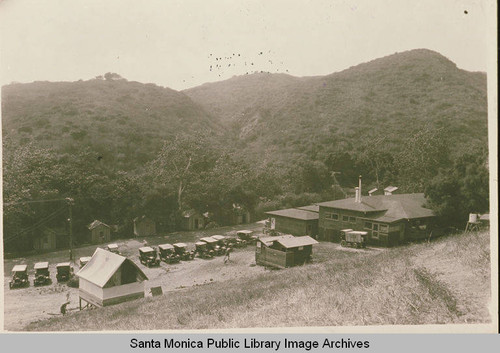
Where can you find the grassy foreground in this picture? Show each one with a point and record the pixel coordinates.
(446, 281)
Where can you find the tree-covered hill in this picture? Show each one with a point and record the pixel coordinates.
(390, 98)
(123, 122)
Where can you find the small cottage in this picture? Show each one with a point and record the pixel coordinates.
(284, 251)
(144, 226)
(99, 232)
(109, 279)
(192, 220)
(295, 221)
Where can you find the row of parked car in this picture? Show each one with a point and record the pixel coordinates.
(20, 276)
(205, 248)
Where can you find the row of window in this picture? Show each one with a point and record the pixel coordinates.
(336, 217)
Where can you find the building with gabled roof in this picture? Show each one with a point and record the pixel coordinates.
(388, 219)
(109, 278)
(284, 250)
(99, 232)
(296, 221)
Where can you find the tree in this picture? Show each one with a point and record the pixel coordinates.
(462, 189)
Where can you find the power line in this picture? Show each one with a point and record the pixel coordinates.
(31, 201)
(37, 224)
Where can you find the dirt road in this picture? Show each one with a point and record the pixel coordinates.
(25, 305)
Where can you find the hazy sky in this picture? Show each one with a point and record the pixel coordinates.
(176, 43)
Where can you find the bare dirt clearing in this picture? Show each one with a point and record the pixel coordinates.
(25, 305)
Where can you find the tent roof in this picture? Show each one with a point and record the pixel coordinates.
(165, 246)
(19, 268)
(103, 265)
(39, 265)
(218, 237)
(208, 240)
(296, 214)
(146, 249)
(244, 231)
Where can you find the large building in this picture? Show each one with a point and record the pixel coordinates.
(389, 219)
(296, 221)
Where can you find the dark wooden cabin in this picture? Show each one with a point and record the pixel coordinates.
(284, 251)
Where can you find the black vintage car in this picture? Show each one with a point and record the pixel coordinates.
(19, 277)
(183, 252)
(247, 236)
(168, 254)
(84, 260)
(212, 244)
(64, 271)
(203, 251)
(42, 274)
(113, 248)
(147, 256)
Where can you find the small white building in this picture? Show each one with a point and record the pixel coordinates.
(109, 279)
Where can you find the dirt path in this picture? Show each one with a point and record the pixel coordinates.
(469, 288)
(25, 305)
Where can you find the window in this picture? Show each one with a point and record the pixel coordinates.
(352, 219)
(334, 216)
(301, 248)
(384, 228)
(345, 218)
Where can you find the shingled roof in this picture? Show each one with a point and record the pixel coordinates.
(386, 208)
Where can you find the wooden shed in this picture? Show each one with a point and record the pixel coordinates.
(99, 232)
(295, 221)
(192, 220)
(284, 251)
(109, 279)
(144, 226)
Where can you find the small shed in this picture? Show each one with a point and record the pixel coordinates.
(99, 232)
(284, 251)
(109, 279)
(192, 220)
(240, 215)
(144, 226)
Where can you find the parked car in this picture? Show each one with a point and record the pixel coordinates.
(212, 245)
(42, 274)
(83, 260)
(19, 277)
(183, 252)
(168, 254)
(355, 239)
(147, 256)
(221, 243)
(235, 242)
(247, 236)
(64, 271)
(203, 251)
(113, 248)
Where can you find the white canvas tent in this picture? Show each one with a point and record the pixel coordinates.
(109, 279)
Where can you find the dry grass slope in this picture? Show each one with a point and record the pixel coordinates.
(444, 282)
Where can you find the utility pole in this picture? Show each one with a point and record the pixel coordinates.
(70, 220)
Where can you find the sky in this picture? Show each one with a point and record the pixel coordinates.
(185, 43)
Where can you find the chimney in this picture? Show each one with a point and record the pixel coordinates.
(357, 197)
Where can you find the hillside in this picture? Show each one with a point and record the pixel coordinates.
(446, 281)
(124, 122)
(390, 97)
